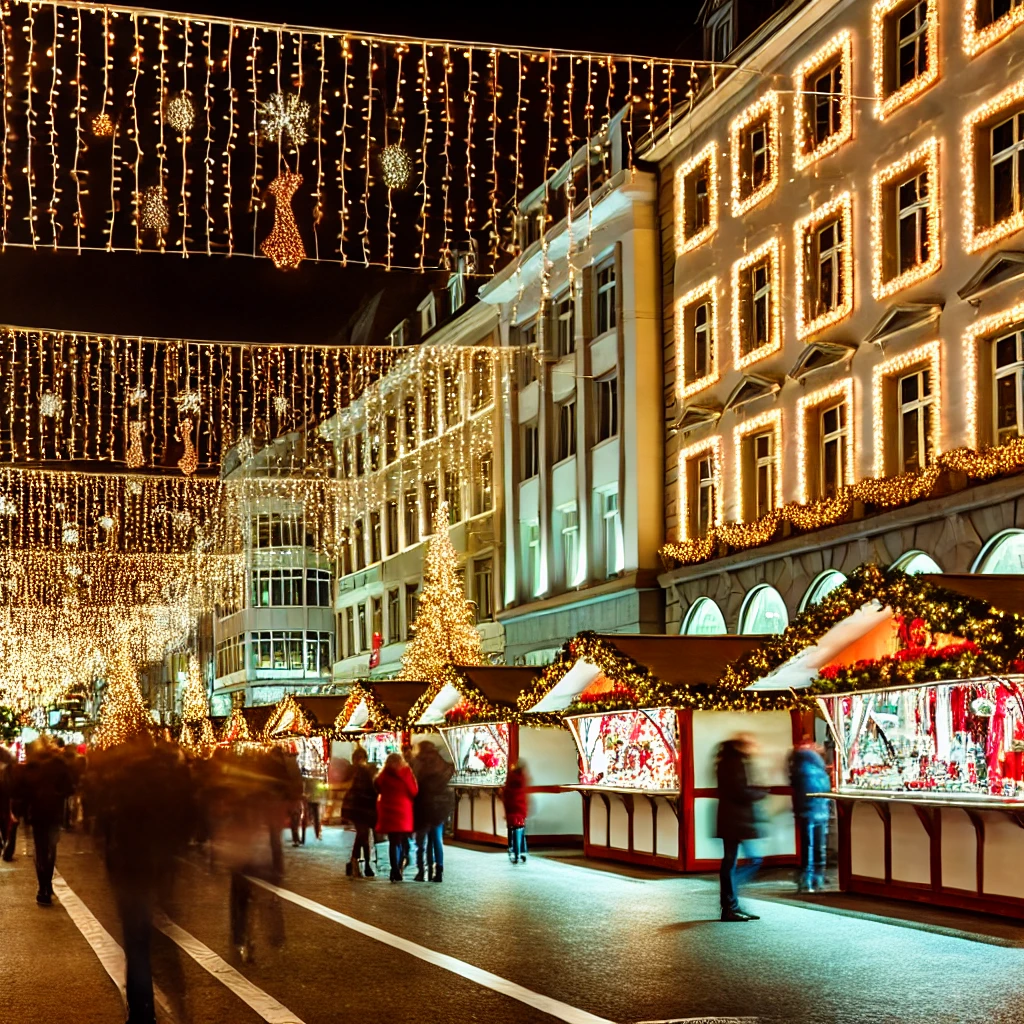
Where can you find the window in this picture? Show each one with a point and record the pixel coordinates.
(276, 588)
(483, 485)
(452, 397)
(390, 437)
(430, 503)
(606, 313)
(391, 515)
(345, 551)
(375, 536)
(764, 473)
(905, 55)
(763, 611)
(823, 120)
(833, 449)
(565, 325)
(412, 604)
(453, 495)
(364, 643)
(429, 412)
(912, 238)
(359, 545)
(703, 353)
(394, 616)
(566, 447)
(281, 650)
(830, 282)
(912, 44)
(696, 325)
(696, 188)
(531, 551)
(375, 447)
(349, 615)
(607, 407)
(230, 656)
(396, 337)
(276, 530)
(756, 322)
(915, 438)
(821, 586)
(456, 292)
(754, 148)
(1003, 554)
(704, 618)
(412, 518)
(428, 314)
(570, 545)
(993, 20)
(915, 562)
(705, 504)
(824, 267)
(1007, 181)
(531, 451)
(759, 313)
(1008, 354)
(718, 44)
(614, 560)
(359, 454)
(759, 157)
(528, 336)
(483, 577)
(481, 382)
(377, 617)
(410, 423)
(318, 588)
(346, 457)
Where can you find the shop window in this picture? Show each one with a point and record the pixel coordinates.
(989, 21)
(391, 519)
(412, 518)
(697, 338)
(566, 442)
(605, 298)
(614, 560)
(531, 451)
(483, 588)
(607, 391)
(824, 266)
(318, 588)
(823, 119)
(375, 536)
(821, 586)
(483, 484)
(390, 437)
(704, 618)
(565, 325)
(905, 51)
(696, 197)
(1002, 555)
(394, 616)
(756, 321)
(914, 563)
(701, 490)
(763, 612)
(570, 521)
(754, 150)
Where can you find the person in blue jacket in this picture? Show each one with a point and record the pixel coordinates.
(808, 774)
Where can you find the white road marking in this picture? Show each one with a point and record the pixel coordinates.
(552, 1007)
(702, 1020)
(103, 944)
(265, 1005)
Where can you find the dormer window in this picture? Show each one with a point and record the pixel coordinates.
(719, 37)
(428, 314)
(456, 292)
(397, 336)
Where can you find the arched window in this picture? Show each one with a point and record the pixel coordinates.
(822, 584)
(704, 618)
(1003, 554)
(763, 611)
(914, 562)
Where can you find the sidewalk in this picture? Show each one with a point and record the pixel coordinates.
(50, 975)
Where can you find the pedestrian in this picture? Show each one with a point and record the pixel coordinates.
(8, 823)
(41, 785)
(396, 788)
(807, 775)
(430, 810)
(738, 821)
(359, 809)
(311, 796)
(514, 797)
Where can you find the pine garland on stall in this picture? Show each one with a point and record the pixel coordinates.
(443, 633)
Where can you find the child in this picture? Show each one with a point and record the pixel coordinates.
(513, 796)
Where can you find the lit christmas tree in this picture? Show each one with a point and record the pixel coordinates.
(443, 633)
(123, 713)
(197, 733)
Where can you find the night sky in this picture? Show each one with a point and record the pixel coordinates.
(244, 299)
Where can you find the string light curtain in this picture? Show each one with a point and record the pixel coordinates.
(131, 129)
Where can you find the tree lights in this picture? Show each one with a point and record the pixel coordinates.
(889, 94)
(691, 208)
(754, 148)
(823, 301)
(807, 100)
(703, 293)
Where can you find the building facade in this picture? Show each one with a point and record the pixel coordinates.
(841, 231)
(428, 431)
(582, 514)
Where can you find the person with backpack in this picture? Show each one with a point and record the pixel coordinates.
(807, 775)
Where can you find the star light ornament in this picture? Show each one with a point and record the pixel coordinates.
(284, 114)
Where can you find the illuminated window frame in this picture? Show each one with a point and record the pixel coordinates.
(708, 155)
(709, 292)
(927, 156)
(768, 420)
(973, 238)
(930, 353)
(978, 332)
(843, 205)
(767, 104)
(773, 250)
(810, 403)
(686, 455)
(886, 105)
(841, 45)
(976, 40)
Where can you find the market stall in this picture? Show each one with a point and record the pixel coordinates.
(475, 710)
(375, 717)
(648, 722)
(922, 687)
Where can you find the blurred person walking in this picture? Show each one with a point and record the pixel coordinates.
(807, 775)
(312, 794)
(8, 823)
(430, 810)
(359, 809)
(515, 799)
(396, 790)
(738, 821)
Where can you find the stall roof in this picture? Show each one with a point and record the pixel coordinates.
(372, 704)
(494, 690)
(1003, 592)
(500, 684)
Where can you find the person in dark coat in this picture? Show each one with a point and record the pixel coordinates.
(738, 821)
(396, 788)
(359, 809)
(514, 797)
(41, 785)
(808, 774)
(430, 811)
(8, 823)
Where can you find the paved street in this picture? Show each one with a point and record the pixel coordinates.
(551, 940)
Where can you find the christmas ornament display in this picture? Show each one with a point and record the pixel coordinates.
(134, 457)
(181, 113)
(102, 126)
(284, 114)
(284, 244)
(396, 167)
(154, 216)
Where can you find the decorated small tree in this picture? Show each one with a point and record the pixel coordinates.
(123, 713)
(197, 732)
(443, 633)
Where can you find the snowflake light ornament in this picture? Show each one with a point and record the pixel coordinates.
(7, 507)
(188, 403)
(107, 522)
(284, 114)
(183, 520)
(280, 404)
(139, 395)
(69, 535)
(49, 405)
(134, 487)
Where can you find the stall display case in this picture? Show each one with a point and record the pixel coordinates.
(632, 749)
(479, 753)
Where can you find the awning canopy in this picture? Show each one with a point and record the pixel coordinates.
(378, 706)
(486, 692)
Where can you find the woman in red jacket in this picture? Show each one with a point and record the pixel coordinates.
(514, 797)
(396, 788)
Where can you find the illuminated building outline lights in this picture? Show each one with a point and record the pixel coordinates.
(708, 155)
(808, 404)
(886, 105)
(975, 238)
(714, 446)
(927, 353)
(925, 157)
(805, 152)
(767, 104)
(843, 205)
(708, 291)
(771, 418)
(976, 39)
(976, 333)
(772, 249)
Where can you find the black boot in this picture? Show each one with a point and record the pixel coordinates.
(438, 873)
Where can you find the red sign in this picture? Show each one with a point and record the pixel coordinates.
(377, 643)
